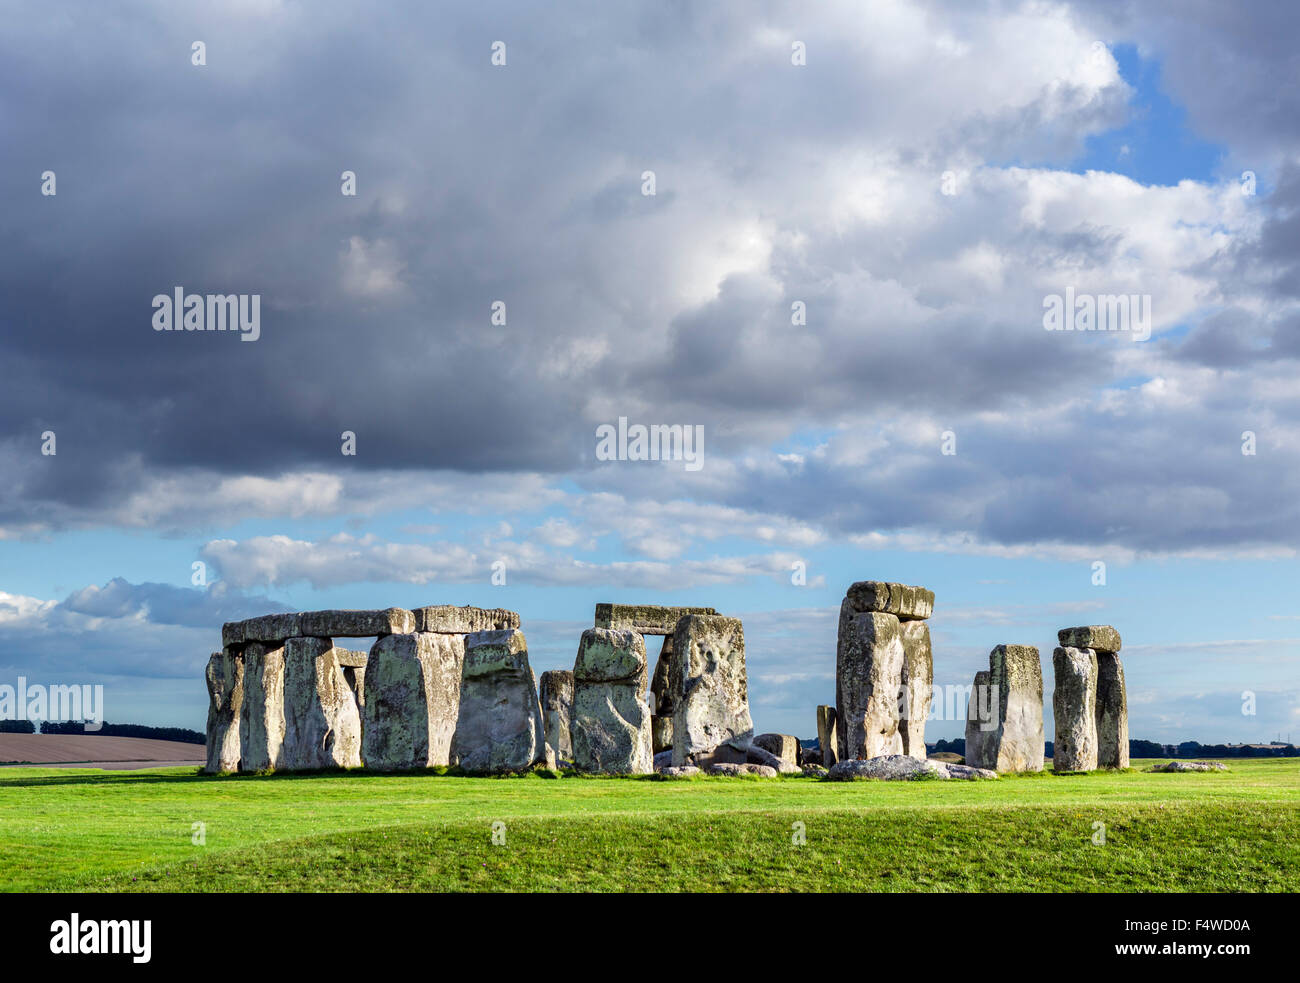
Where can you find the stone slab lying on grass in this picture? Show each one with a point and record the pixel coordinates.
(725, 768)
(903, 767)
(1190, 766)
(448, 619)
(685, 771)
(644, 619)
(814, 771)
(904, 602)
(356, 624)
(756, 755)
(783, 746)
(1099, 638)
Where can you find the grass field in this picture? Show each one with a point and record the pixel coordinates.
(65, 829)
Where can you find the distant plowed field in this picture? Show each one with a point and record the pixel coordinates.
(94, 751)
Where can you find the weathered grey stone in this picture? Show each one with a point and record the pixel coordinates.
(412, 700)
(709, 685)
(661, 704)
(783, 746)
(903, 767)
(662, 760)
(1175, 766)
(644, 619)
(981, 718)
(322, 725)
(225, 679)
(902, 601)
(810, 756)
(868, 683)
(917, 685)
(611, 721)
(733, 770)
(557, 712)
(355, 677)
(1074, 707)
(351, 658)
(756, 755)
(1012, 738)
(356, 624)
(685, 771)
(271, 628)
(1099, 638)
(1112, 712)
(500, 725)
(232, 635)
(726, 753)
(261, 718)
(812, 770)
(661, 733)
(828, 735)
(448, 619)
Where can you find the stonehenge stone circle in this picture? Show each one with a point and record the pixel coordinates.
(1112, 712)
(709, 687)
(261, 718)
(413, 693)
(557, 712)
(644, 619)
(499, 728)
(1074, 708)
(883, 674)
(322, 726)
(917, 685)
(225, 678)
(1012, 738)
(611, 720)
(827, 735)
(868, 680)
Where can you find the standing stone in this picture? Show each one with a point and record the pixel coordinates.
(1013, 741)
(322, 725)
(980, 715)
(261, 718)
(557, 712)
(868, 680)
(1112, 712)
(918, 683)
(225, 679)
(353, 664)
(412, 700)
(611, 721)
(661, 704)
(1074, 706)
(500, 724)
(783, 746)
(827, 735)
(709, 687)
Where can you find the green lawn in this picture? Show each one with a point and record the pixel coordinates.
(65, 829)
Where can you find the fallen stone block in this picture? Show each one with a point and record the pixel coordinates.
(783, 746)
(261, 718)
(225, 680)
(1074, 707)
(1011, 739)
(500, 725)
(611, 721)
(1099, 638)
(756, 755)
(734, 770)
(868, 682)
(356, 624)
(814, 771)
(412, 700)
(1112, 712)
(903, 767)
(828, 735)
(811, 756)
(685, 771)
(917, 686)
(902, 601)
(557, 712)
(322, 725)
(644, 619)
(708, 685)
(448, 619)
(1176, 766)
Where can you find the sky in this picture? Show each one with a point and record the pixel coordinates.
(918, 179)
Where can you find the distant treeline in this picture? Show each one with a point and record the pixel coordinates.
(17, 727)
(1150, 749)
(182, 734)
